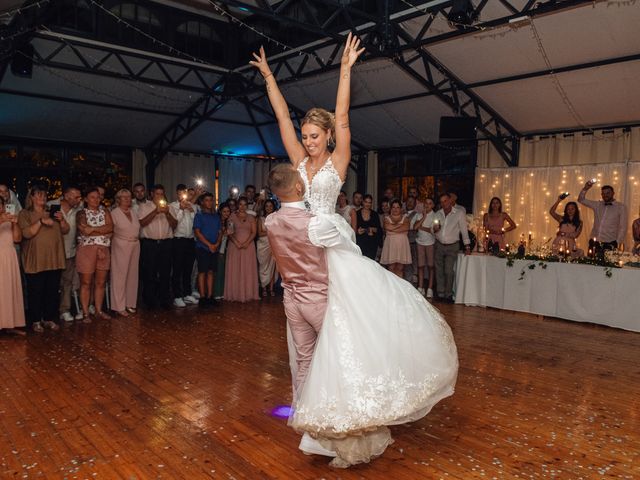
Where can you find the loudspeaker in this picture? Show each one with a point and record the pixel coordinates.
(22, 61)
(458, 128)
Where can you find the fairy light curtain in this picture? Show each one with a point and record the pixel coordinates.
(527, 194)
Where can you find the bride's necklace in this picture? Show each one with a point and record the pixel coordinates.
(313, 169)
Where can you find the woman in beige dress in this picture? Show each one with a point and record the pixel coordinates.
(125, 255)
(396, 252)
(266, 262)
(12, 311)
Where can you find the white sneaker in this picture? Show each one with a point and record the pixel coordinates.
(79, 316)
(67, 317)
(429, 293)
(178, 302)
(195, 294)
(311, 446)
(92, 310)
(190, 299)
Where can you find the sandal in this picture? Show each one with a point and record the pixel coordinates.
(123, 313)
(103, 315)
(131, 310)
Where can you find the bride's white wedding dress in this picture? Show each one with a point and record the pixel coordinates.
(384, 356)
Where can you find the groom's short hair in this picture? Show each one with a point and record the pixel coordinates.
(282, 178)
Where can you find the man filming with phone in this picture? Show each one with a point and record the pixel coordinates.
(610, 218)
(68, 205)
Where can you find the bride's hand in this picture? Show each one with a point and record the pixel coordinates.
(260, 63)
(351, 52)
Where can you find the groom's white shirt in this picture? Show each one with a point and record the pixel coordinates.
(323, 231)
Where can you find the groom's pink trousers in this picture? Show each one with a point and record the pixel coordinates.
(303, 268)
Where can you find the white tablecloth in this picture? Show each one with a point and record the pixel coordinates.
(574, 292)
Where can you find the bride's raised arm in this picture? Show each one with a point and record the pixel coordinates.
(292, 145)
(342, 153)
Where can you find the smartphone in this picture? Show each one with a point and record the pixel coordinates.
(564, 195)
(10, 208)
(53, 209)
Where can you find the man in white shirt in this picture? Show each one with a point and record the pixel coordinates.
(70, 203)
(610, 218)
(454, 202)
(449, 224)
(413, 192)
(139, 196)
(252, 205)
(183, 247)
(156, 225)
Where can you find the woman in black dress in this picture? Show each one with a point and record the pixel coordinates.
(367, 228)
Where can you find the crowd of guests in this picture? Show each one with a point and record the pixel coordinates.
(79, 257)
(187, 252)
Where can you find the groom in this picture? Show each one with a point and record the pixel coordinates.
(297, 240)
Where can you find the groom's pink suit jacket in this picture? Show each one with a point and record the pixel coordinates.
(303, 268)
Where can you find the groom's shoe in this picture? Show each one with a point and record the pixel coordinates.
(311, 446)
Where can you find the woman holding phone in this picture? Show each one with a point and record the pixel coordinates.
(12, 311)
(43, 258)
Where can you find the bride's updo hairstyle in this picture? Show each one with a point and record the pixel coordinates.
(321, 118)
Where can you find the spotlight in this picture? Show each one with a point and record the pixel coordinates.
(462, 14)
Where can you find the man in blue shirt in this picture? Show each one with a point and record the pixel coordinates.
(207, 230)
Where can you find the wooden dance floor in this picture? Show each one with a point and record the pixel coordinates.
(190, 394)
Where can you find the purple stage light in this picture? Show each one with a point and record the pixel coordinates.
(282, 411)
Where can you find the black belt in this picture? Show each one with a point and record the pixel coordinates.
(156, 241)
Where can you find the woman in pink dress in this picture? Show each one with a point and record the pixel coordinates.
(494, 220)
(396, 251)
(12, 311)
(125, 255)
(241, 269)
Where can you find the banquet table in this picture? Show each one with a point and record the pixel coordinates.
(576, 292)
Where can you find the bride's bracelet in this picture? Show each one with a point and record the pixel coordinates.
(267, 76)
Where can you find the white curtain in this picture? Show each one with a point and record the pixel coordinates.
(527, 194)
(599, 146)
(372, 177)
(187, 168)
(241, 172)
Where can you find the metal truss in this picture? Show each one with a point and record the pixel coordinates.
(180, 128)
(388, 38)
(450, 90)
(55, 50)
(378, 22)
(20, 30)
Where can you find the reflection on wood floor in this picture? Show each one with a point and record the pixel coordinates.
(190, 393)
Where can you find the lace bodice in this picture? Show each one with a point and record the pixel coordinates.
(322, 193)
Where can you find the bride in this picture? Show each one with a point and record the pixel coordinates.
(384, 355)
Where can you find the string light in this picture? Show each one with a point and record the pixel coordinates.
(18, 34)
(155, 40)
(554, 78)
(10, 13)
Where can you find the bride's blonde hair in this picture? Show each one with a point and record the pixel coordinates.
(321, 118)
